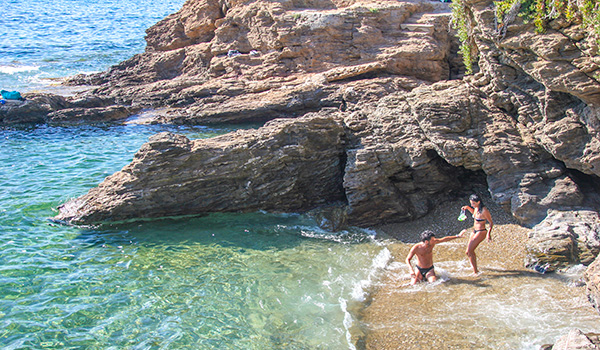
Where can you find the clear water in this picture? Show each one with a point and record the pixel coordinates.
(251, 281)
(507, 307)
(42, 40)
(236, 281)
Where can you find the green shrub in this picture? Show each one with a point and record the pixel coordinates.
(461, 21)
(539, 12)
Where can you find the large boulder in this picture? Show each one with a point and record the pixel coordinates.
(34, 109)
(287, 165)
(564, 238)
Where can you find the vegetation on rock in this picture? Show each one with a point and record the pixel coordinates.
(461, 21)
(540, 12)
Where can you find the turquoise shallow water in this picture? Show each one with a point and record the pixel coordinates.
(42, 40)
(236, 281)
(251, 281)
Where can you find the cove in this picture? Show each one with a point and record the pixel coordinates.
(232, 281)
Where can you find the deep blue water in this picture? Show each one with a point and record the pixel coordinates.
(41, 40)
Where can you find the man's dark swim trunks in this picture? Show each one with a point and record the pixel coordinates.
(424, 271)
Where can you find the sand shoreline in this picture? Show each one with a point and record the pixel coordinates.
(503, 256)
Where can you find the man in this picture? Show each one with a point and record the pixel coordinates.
(424, 253)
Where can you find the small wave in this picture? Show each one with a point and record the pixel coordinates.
(348, 322)
(359, 291)
(17, 69)
(353, 235)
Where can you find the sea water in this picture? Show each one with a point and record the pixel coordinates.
(236, 281)
(232, 281)
(223, 281)
(42, 41)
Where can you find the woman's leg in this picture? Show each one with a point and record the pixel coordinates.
(474, 241)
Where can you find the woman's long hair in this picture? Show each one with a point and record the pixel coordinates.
(475, 198)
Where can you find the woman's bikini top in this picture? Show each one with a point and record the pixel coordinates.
(476, 219)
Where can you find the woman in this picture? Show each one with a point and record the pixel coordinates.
(480, 215)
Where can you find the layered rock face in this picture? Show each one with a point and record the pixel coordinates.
(527, 122)
(219, 61)
(549, 85)
(290, 165)
(563, 239)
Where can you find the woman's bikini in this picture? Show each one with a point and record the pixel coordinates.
(474, 230)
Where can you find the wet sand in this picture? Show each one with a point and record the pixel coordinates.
(461, 310)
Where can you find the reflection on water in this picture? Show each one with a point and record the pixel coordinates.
(237, 281)
(506, 307)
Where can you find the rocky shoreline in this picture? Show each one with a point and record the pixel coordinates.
(370, 120)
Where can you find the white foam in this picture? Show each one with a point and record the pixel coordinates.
(17, 69)
(347, 323)
(359, 291)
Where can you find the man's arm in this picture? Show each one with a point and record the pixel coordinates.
(409, 257)
(448, 238)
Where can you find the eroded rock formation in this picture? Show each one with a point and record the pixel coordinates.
(592, 280)
(288, 165)
(527, 122)
(563, 239)
(217, 61)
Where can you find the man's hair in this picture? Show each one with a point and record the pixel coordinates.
(427, 235)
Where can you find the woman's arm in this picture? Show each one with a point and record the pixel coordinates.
(488, 216)
(466, 207)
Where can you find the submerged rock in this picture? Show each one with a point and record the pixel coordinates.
(575, 340)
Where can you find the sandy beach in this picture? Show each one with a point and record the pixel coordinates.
(457, 311)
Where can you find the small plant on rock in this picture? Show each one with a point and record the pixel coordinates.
(461, 21)
(539, 12)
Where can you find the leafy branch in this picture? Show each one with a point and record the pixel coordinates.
(539, 12)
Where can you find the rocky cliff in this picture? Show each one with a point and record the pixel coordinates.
(527, 123)
(377, 88)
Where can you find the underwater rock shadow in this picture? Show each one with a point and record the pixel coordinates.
(258, 231)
